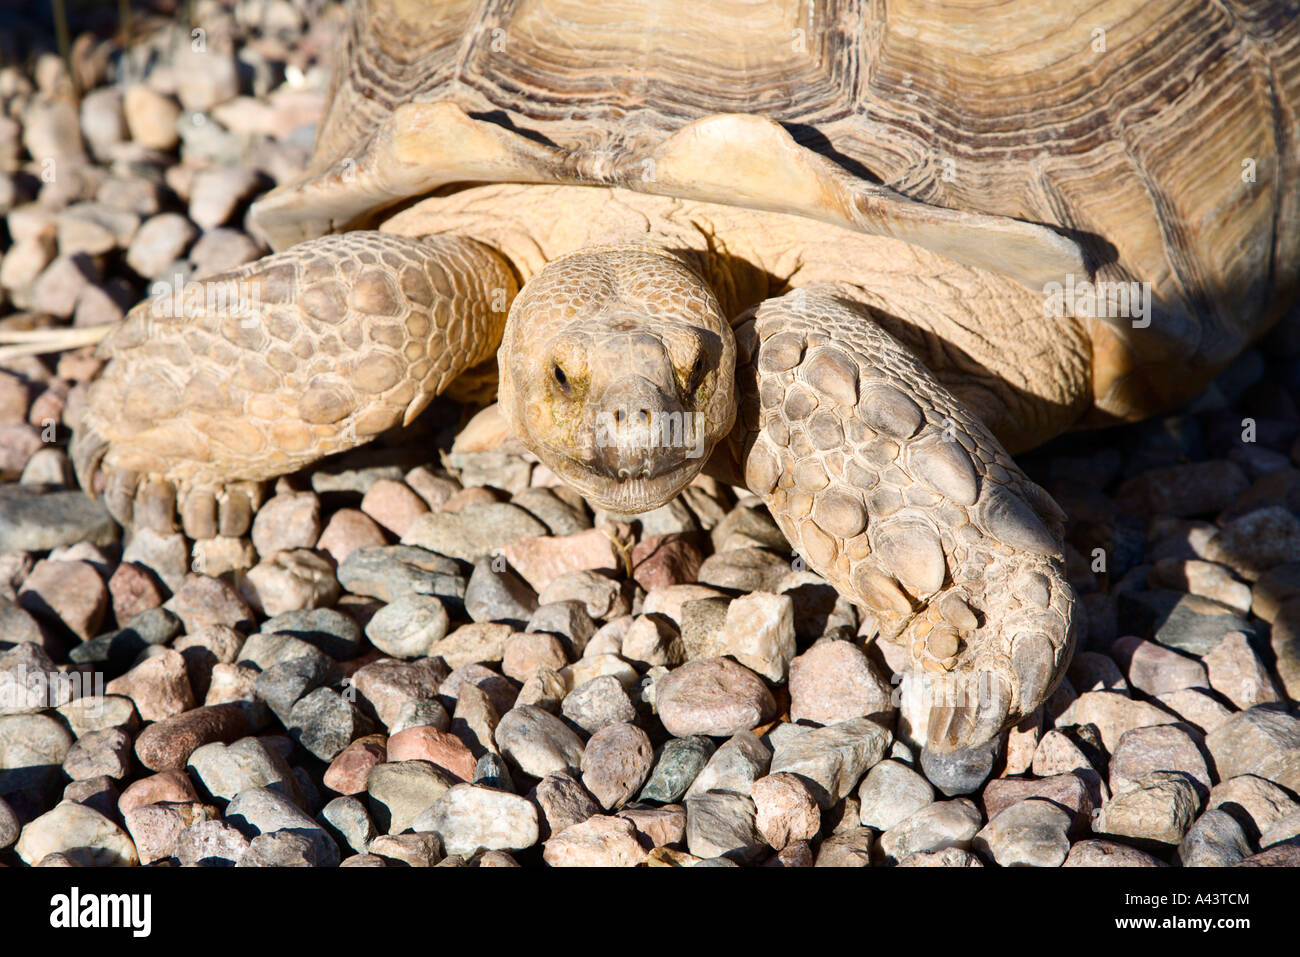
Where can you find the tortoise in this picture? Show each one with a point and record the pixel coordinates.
(815, 249)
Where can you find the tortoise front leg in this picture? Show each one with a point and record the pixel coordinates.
(906, 503)
(301, 354)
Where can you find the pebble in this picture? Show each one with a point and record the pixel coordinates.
(502, 691)
(215, 194)
(439, 748)
(1193, 488)
(1093, 671)
(526, 654)
(537, 742)
(661, 560)
(393, 505)
(151, 117)
(76, 827)
(289, 581)
(9, 825)
(934, 827)
(848, 848)
(323, 722)
(1112, 713)
(598, 841)
(1196, 707)
(722, 824)
(1162, 748)
(541, 560)
(201, 600)
(156, 828)
(702, 621)
(947, 857)
(746, 569)
(168, 744)
(890, 793)
(495, 592)
(118, 649)
(677, 765)
(386, 685)
(285, 681)
(347, 530)
(734, 767)
(563, 802)
(713, 696)
(348, 771)
(167, 556)
(409, 627)
(1158, 808)
(333, 632)
(1157, 670)
(1028, 833)
(399, 791)
(475, 721)
(159, 686)
(615, 763)
(1237, 673)
(280, 849)
(99, 793)
(1068, 791)
(165, 786)
(476, 643)
(225, 770)
(834, 681)
(600, 595)
(597, 704)
(411, 850)
(1256, 804)
(785, 811)
(97, 753)
(544, 688)
(471, 819)
(1256, 542)
(68, 593)
(491, 771)
(474, 532)
(1206, 579)
(287, 521)
(1215, 839)
(833, 759)
(350, 821)
(657, 826)
(258, 811)
(1098, 853)
(759, 632)
(650, 641)
(388, 572)
(1251, 740)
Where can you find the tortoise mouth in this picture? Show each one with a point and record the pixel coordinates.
(627, 490)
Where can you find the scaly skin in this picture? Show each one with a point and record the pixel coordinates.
(888, 485)
(348, 336)
(905, 502)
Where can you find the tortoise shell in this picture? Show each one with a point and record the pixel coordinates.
(1156, 141)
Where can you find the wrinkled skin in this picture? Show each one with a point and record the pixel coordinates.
(617, 372)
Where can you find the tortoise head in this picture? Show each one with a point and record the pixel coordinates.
(617, 371)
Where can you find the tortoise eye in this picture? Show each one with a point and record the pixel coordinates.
(560, 378)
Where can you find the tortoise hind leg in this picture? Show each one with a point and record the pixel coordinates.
(299, 355)
(892, 490)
